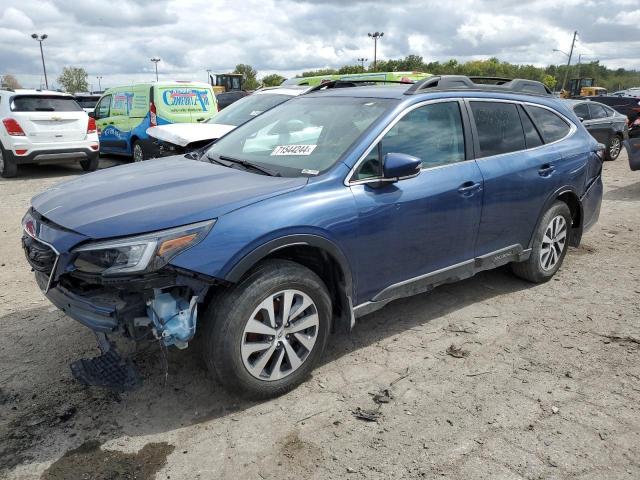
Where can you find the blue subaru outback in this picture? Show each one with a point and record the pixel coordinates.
(313, 214)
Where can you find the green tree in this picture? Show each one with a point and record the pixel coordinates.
(249, 76)
(272, 80)
(74, 79)
(9, 81)
(550, 81)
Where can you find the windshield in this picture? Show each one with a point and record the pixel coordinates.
(246, 108)
(306, 135)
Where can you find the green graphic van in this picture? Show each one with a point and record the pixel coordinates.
(390, 76)
(123, 114)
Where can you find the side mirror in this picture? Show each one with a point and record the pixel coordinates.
(398, 166)
(92, 114)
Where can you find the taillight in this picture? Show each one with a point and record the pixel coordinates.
(91, 126)
(13, 127)
(153, 119)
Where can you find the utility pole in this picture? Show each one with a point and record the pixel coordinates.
(156, 60)
(40, 39)
(566, 73)
(208, 75)
(375, 37)
(99, 77)
(362, 60)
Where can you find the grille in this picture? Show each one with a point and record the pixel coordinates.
(40, 256)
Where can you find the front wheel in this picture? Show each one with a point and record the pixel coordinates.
(265, 335)
(550, 245)
(139, 152)
(614, 148)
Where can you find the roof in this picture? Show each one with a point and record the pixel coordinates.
(30, 91)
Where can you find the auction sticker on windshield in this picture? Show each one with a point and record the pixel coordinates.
(293, 150)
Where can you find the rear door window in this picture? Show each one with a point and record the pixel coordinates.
(44, 103)
(597, 111)
(499, 128)
(582, 111)
(549, 124)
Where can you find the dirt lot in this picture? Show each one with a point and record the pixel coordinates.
(548, 386)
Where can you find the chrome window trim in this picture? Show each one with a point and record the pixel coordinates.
(348, 182)
(347, 179)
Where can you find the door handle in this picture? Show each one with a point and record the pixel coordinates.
(546, 170)
(467, 189)
(199, 119)
(110, 123)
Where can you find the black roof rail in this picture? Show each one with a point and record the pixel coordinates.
(344, 83)
(7, 89)
(482, 84)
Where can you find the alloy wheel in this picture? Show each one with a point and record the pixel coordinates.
(553, 242)
(137, 153)
(280, 335)
(614, 148)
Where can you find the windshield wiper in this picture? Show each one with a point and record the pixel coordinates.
(247, 164)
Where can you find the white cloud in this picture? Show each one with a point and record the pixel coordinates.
(116, 39)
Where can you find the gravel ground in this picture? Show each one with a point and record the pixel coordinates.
(547, 385)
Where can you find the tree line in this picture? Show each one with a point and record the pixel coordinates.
(552, 75)
(74, 79)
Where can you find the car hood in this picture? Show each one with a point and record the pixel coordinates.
(154, 195)
(183, 134)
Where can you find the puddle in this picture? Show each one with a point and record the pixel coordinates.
(89, 461)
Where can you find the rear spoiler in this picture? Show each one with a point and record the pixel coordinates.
(633, 152)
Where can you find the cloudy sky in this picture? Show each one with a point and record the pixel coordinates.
(116, 38)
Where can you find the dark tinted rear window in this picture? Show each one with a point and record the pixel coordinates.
(499, 128)
(550, 125)
(44, 103)
(87, 102)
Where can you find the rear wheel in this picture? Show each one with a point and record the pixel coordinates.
(90, 164)
(549, 246)
(614, 148)
(265, 335)
(8, 166)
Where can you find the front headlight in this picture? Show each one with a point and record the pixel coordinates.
(141, 253)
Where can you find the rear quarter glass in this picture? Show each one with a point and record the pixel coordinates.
(185, 103)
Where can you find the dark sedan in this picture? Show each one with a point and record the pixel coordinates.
(603, 123)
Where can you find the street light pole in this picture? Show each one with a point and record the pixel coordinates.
(155, 60)
(40, 39)
(566, 73)
(99, 77)
(362, 60)
(375, 36)
(208, 75)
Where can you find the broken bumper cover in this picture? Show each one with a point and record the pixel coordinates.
(98, 317)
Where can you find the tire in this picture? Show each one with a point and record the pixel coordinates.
(614, 147)
(231, 319)
(545, 260)
(90, 164)
(139, 152)
(8, 165)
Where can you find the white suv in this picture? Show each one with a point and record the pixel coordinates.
(44, 126)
